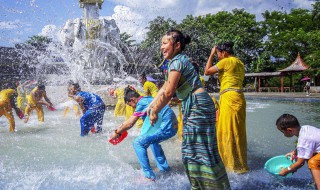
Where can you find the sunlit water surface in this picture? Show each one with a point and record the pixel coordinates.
(52, 155)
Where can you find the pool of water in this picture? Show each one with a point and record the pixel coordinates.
(52, 155)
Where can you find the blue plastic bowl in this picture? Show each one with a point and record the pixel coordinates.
(149, 129)
(275, 164)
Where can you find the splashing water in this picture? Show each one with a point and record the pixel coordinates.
(53, 156)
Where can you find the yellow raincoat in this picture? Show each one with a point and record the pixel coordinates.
(5, 106)
(32, 105)
(21, 97)
(122, 109)
(150, 89)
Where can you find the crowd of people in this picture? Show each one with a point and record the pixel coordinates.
(211, 146)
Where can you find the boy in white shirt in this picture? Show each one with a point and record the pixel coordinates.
(308, 147)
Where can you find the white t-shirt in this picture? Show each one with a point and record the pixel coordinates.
(308, 141)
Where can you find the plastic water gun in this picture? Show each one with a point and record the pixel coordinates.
(20, 114)
(119, 139)
(51, 108)
(93, 129)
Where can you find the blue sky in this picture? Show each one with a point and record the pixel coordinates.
(20, 19)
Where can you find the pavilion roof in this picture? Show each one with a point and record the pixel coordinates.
(297, 65)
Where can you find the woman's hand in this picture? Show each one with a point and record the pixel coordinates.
(153, 117)
(213, 50)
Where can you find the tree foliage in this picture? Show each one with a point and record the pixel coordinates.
(156, 30)
(269, 45)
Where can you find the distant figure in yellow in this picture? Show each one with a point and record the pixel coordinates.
(122, 109)
(150, 89)
(21, 95)
(75, 107)
(35, 102)
(7, 102)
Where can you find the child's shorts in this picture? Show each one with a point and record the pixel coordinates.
(314, 162)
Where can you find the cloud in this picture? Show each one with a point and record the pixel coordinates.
(132, 16)
(9, 25)
(130, 21)
(15, 40)
(304, 4)
(50, 31)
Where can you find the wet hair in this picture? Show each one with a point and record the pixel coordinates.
(129, 93)
(76, 86)
(177, 36)
(41, 87)
(286, 121)
(143, 76)
(70, 82)
(226, 46)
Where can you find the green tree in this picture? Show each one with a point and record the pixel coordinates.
(156, 30)
(237, 26)
(126, 39)
(201, 39)
(288, 34)
(39, 40)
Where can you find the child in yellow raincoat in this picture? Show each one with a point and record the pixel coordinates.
(21, 95)
(7, 102)
(122, 109)
(150, 89)
(35, 102)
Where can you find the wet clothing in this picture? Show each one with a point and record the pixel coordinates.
(308, 146)
(94, 111)
(231, 126)
(122, 109)
(21, 97)
(5, 106)
(32, 105)
(200, 155)
(141, 143)
(150, 89)
(75, 108)
(314, 162)
(308, 142)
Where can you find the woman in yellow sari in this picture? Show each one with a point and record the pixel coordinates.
(231, 126)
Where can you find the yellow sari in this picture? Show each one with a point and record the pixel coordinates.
(231, 125)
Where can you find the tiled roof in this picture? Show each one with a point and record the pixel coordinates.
(297, 65)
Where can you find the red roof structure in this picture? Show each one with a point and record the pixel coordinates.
(296, 66)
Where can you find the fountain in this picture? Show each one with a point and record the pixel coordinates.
(91, 47)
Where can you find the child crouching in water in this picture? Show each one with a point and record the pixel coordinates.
(308, 147)
(167, 129)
